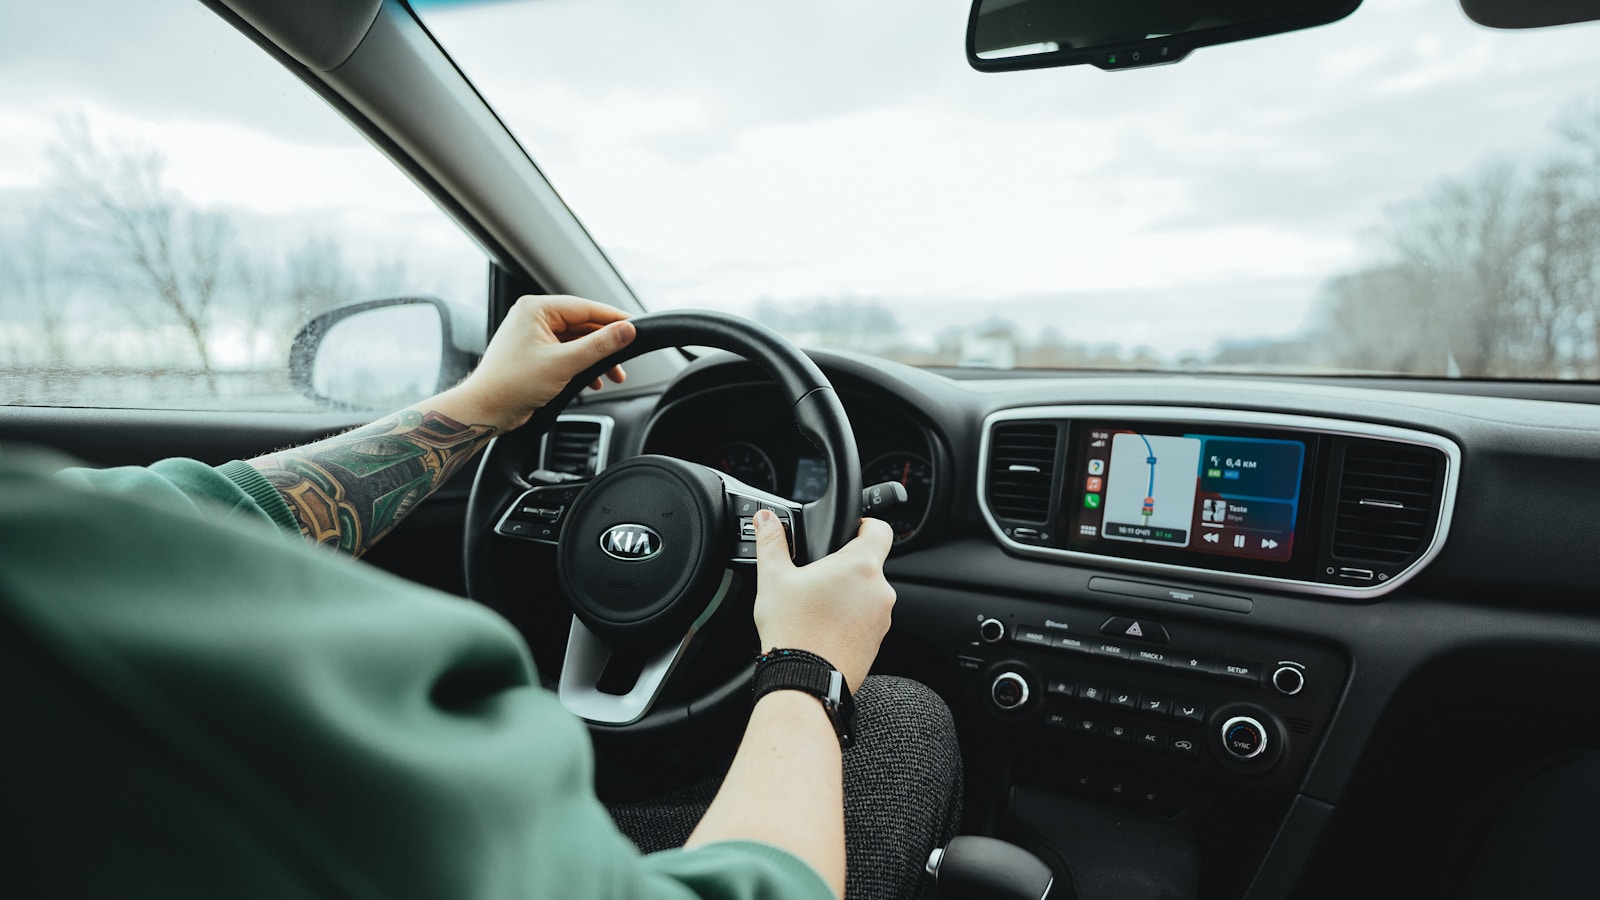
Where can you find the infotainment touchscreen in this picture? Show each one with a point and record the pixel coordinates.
(1208, 493)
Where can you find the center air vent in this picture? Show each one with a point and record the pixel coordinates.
(1021, 465)
(1388, 497)
(575, 446)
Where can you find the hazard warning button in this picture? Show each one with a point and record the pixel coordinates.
(1135, 629)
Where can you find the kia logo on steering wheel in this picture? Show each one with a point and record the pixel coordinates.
(630, 542)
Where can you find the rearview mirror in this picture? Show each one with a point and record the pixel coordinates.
(1123, 34)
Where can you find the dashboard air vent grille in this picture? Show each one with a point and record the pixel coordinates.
(1022, 462)
(573, 447)
(1387, 498)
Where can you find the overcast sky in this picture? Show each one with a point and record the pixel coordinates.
(725, 151)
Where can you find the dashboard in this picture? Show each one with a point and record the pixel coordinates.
(745, 431)
(1285, 619)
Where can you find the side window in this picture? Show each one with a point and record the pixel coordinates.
(174, 207)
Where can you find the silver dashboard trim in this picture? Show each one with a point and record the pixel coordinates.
(602, 452)
(1201, 416)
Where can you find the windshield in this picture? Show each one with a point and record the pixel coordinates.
(1399, 192)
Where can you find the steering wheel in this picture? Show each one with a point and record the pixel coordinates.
(649, 548)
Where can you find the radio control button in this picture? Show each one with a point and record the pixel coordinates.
(1106, 648)
(1241, 671)
(1074, 644)
(1289, 680)
(1192, 662)
(1030, 634)
(991, 630)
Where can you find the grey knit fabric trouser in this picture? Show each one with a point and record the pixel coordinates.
(902, 793)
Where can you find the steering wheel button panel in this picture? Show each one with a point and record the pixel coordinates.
(537, 514)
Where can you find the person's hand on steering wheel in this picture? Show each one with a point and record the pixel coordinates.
(837, 607)
(542, 345)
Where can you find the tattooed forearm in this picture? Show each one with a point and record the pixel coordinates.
(351, 490)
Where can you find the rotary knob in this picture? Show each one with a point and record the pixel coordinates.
(1289, 680)
(1244, 738)
(991, 630)
(1009, 691)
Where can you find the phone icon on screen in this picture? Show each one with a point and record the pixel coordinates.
(1091, 501)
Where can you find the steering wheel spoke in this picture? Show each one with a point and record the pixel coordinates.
(537, 514)
(588, 655)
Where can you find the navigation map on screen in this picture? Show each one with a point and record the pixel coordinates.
(1229, 495)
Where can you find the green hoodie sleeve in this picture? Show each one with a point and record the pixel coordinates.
(202, 708)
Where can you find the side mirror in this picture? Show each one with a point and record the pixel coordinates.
(381, 354)
(1119, 34)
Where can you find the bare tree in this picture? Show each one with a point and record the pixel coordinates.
(38, 283)
(1497, 273)
(141, 238)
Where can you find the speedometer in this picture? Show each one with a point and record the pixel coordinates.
(916, 475)
(748, 463)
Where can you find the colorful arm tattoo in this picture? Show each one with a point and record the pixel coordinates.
(352, 489)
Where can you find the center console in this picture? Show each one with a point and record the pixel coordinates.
(1153, 696)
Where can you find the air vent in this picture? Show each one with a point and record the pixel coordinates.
(573, 447)
(1022, 461)
(1387, 498)
(1298, 726)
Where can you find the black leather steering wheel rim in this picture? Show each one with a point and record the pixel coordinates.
(830, 521)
